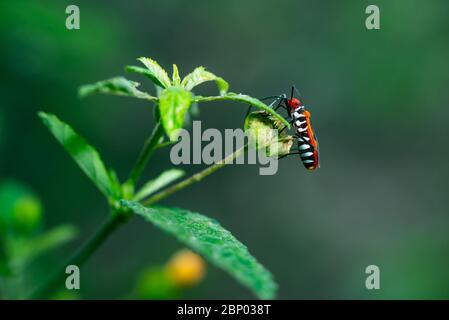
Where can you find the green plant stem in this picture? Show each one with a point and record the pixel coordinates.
(149, 147)
(56, 280)
(194, 178)
(208, 98)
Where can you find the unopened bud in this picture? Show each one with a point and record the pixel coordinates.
(266, 131)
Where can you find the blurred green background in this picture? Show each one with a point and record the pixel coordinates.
(379, 106)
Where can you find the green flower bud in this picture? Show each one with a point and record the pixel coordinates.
(27, 214)
(266, 131)
(20, 210)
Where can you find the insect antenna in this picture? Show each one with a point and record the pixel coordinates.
(299, 94)
(271, 97)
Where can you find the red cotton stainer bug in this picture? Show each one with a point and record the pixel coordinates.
(299, 117)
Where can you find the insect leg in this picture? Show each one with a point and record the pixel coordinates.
(288, 154)
(280, 105)
(285, 105)
(285, 127)
(270, 105)
(249, 110)
(272, 97)
(282, 130)
(281, 98)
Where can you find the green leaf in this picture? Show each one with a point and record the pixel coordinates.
(175, 77)
(84, 155)
(216, 244)
(115, 183)
(173, 105)
(200, 75)
(161, 181)
(244, 99)
(117, 86)
(153, 71)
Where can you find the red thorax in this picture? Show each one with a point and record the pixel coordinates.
(294, 103)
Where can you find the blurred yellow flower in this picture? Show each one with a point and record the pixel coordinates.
(186, 268)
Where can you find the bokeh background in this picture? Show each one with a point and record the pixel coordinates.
(379, 104)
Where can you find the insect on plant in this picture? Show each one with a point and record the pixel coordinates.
(127, 199)
(299, 118)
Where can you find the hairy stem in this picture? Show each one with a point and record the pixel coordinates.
(56, 280)
(193, 179)
(148, 149)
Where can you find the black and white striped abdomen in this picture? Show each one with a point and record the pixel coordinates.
(299, 123)
(306, 152)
